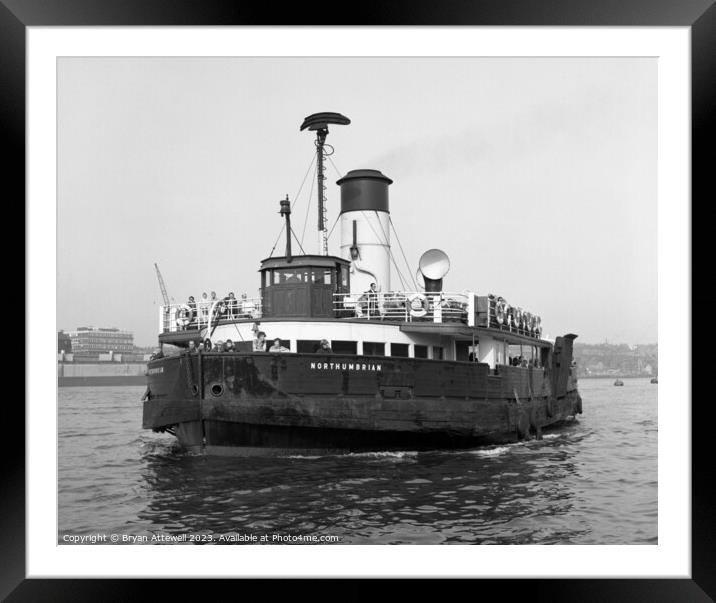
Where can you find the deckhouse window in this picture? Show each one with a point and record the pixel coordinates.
(373, 348)
(307, 346)
(437, 352)
(421, 351)
(344, 347)
(399, 349)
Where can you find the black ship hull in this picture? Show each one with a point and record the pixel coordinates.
(241, 403)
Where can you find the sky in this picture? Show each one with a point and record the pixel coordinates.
(537, 176)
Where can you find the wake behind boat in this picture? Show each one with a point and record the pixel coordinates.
(331, 356)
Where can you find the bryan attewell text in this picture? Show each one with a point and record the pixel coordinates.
(198, 538)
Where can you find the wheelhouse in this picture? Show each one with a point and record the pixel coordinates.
(303, 286)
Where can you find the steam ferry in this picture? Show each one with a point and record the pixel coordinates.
(360, 364)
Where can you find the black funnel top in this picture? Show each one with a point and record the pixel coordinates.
(364, 190)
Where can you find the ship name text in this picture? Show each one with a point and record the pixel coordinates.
(345, 366)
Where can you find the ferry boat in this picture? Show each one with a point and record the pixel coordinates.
(358, 364)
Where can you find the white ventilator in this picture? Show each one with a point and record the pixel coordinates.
(365, 228)
(434, 264)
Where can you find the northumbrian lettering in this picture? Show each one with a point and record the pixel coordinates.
(343, 366)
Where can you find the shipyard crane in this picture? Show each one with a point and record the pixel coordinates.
(162, 286)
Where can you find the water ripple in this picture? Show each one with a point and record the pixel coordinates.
(593, 481)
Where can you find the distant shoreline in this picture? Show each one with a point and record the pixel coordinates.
(616, 376)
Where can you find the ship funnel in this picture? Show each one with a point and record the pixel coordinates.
(434, 264)
(365, 228)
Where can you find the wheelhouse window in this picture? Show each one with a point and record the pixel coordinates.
(344, 347)
(421, 351)
(401, 350)
(373, 348)
(322, 277)
(289, 277)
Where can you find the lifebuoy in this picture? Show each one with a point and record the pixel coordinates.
(184, 315)
(418, 304)
(500, 312)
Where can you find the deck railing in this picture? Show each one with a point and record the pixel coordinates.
(407, 306)
(400, 306)
(182, 317)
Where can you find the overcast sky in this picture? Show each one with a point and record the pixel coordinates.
(537, 176)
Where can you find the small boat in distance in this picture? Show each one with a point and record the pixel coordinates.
(654, 380)
(619, 382)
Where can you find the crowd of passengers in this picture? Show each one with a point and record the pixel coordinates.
(227, 307)
(259, 344)
(522, 361)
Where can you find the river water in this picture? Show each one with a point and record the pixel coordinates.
(592, 481)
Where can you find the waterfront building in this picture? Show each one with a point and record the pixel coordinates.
(92, 341)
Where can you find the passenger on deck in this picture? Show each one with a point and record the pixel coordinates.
(246, 307)
(323, 347)
(372, 297)
(192, 347)
(230, 346)
(218, 347)
(204, 306)
(277, 347)
(260, 342)
(201, 346)
(232, 304)
(523, 362)
(192, 306)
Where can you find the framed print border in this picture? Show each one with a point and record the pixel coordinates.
(17, 15)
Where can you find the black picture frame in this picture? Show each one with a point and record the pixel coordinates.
(699, 15)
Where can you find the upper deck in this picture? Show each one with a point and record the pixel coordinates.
(413, 311)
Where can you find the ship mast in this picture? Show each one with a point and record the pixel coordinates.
(319, 122)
